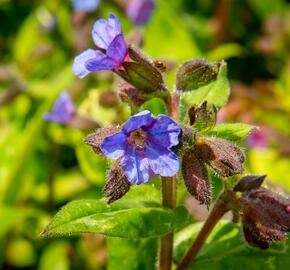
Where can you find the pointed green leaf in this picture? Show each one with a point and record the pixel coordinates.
(236, 132)
(95, 216)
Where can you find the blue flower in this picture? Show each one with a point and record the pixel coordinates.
(86, 5)
(108, 36)
(63, 110)
(143, 147)
(139, 11)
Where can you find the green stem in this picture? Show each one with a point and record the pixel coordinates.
(215, 215)
(166, 244)
(169, 193)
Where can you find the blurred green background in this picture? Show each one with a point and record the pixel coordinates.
(43, 166)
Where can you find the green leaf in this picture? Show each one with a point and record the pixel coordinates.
(95, 216)
(236, 132)
(215, 93)
(135, 254)
(225, 248)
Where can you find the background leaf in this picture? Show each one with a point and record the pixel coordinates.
(134, 255)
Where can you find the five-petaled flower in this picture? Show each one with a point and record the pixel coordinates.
(142, 146)
(63, 110)
(108, 37)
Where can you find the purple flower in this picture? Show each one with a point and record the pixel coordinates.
(86, 5)
(143, 147)
(63, 110)
(139, 11)
(108, 36)
(258, 138)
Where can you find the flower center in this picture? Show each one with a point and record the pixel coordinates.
(137, 138)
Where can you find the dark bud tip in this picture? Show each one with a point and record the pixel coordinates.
(117, 185)
(265, 217)
(196, 73)
(196, 177)
(202, 117)
(225, 157)
(108, 99)
(96, 138)
(249, 182)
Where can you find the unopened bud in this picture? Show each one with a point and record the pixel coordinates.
(196, 177)
(117, 185)
(196, 73)
(223, 156)
(130, 94)
(249, 182)
(141, 72)
(265, 217)
(96, 138)
(202, 117)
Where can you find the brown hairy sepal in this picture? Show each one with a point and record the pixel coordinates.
(117, 184)
(225, 157)
(265, 217)
(96, 138)
(196, 177)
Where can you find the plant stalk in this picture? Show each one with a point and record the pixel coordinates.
(219, 209)
(166, 244)
(169, 191)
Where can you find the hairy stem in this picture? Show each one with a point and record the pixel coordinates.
(215, 215)
(166, 244)
(169, 191)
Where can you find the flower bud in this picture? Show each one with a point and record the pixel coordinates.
(202, 117)
(96, 138)
(142, 73)
(265, 217)
(249, 182)
(117, 185)
(196, 73)
(223, 156)
(196, 177)
(130, 94)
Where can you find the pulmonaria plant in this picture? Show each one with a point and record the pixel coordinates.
(194, 147)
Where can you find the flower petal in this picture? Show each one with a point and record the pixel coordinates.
(62, 111)
(136, 167)
(138, 120)
(105, 31)
(162, 161)
(114, 145)
(117, 50)
(102, 62)
(79, 66)
(164, 131)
